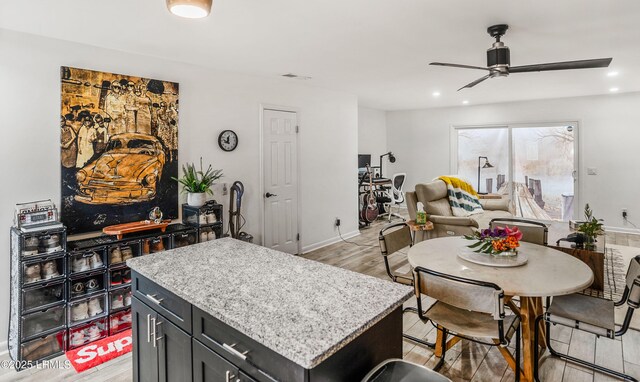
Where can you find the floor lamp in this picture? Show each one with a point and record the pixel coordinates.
(486, 165)
(392, 159)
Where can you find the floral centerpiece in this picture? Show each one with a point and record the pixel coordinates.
(502, 241)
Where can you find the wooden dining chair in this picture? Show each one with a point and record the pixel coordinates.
(469, 309)
(393, 238)
(532, 231)
(593, 315)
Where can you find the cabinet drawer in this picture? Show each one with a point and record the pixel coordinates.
(249, 355)
(210, 367)
(174, 308)
(42, 243)
(43, 348)
(41, 322)
(42, 296)
(182, 239)
(89, 332)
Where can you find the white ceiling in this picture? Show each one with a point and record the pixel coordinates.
(377, 49)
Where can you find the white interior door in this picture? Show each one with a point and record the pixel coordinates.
(280, 180)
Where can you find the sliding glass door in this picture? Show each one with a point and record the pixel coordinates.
(533, 165)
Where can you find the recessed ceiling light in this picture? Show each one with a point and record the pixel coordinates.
(465, 102)
(436, 94)
(612, 74)
(191, 9)
(613, 90)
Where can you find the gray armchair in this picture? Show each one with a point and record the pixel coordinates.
(433, 197)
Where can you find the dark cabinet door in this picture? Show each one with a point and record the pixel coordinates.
(210, 367)
(245, 378)
(174, 352)
(145, 354)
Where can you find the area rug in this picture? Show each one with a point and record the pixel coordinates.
(615, 269)
(616, 262)
(95, 353)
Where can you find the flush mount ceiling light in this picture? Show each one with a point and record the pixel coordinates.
(612, 74)
(191, 9)
(613, 90)
(436, 94)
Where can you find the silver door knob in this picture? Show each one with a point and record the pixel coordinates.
(268, 195)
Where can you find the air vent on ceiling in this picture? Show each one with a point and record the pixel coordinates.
(297, 77)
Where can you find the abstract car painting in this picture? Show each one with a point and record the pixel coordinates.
(118, 148)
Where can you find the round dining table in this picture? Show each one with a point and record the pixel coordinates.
(548, 272)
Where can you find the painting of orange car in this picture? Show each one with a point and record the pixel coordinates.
(126, 173)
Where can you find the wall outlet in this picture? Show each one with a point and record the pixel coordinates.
(592, 171)
(337, 223)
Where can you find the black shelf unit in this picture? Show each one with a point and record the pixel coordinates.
(88, 297)
(38, 320)
(116, 293)
(207, 219)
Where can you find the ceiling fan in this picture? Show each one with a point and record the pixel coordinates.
(498, 61)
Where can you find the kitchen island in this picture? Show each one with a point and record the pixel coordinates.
(227, 310)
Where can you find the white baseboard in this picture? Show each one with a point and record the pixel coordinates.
(333, 240)
(4, 348)
(622, 230)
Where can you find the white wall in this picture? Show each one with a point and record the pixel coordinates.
(210, 101)
(372, 134)
(609, 137)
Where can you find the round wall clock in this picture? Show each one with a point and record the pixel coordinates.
(228, 140)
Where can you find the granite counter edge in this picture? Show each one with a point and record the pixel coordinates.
(305, 363)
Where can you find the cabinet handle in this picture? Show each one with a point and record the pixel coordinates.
(154, 299)
(231, 349)
(156, 339)
(228, 376)
(154, 331)
(148, 328)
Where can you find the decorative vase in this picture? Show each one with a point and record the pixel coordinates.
(509, 253)
(196, 199)
(590, 243)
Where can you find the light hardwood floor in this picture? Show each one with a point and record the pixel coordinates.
(466, 361)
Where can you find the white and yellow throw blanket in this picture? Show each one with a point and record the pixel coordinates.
(463, 199)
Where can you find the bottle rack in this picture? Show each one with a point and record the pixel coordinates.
(86, 298)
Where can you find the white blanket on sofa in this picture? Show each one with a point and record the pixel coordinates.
(463, 199)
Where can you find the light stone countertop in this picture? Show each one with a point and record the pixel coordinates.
(302, 309)
(548, 272)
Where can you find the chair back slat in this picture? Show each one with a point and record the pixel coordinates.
(633, 272)
(462, 293)
(634, 295)
(532, 231)
(393, 241)
(397, 182)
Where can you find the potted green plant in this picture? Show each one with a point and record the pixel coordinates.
(591, 228)
(197, 183)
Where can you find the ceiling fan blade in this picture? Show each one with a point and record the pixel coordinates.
(580, 64)
(474, 83)
(458, 65)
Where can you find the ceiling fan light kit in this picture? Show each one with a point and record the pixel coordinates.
(191, 9)
(499, 61)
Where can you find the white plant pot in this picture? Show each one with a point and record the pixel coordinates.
(196, 199)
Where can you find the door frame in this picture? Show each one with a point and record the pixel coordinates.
(577, 147)
(286, 109)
